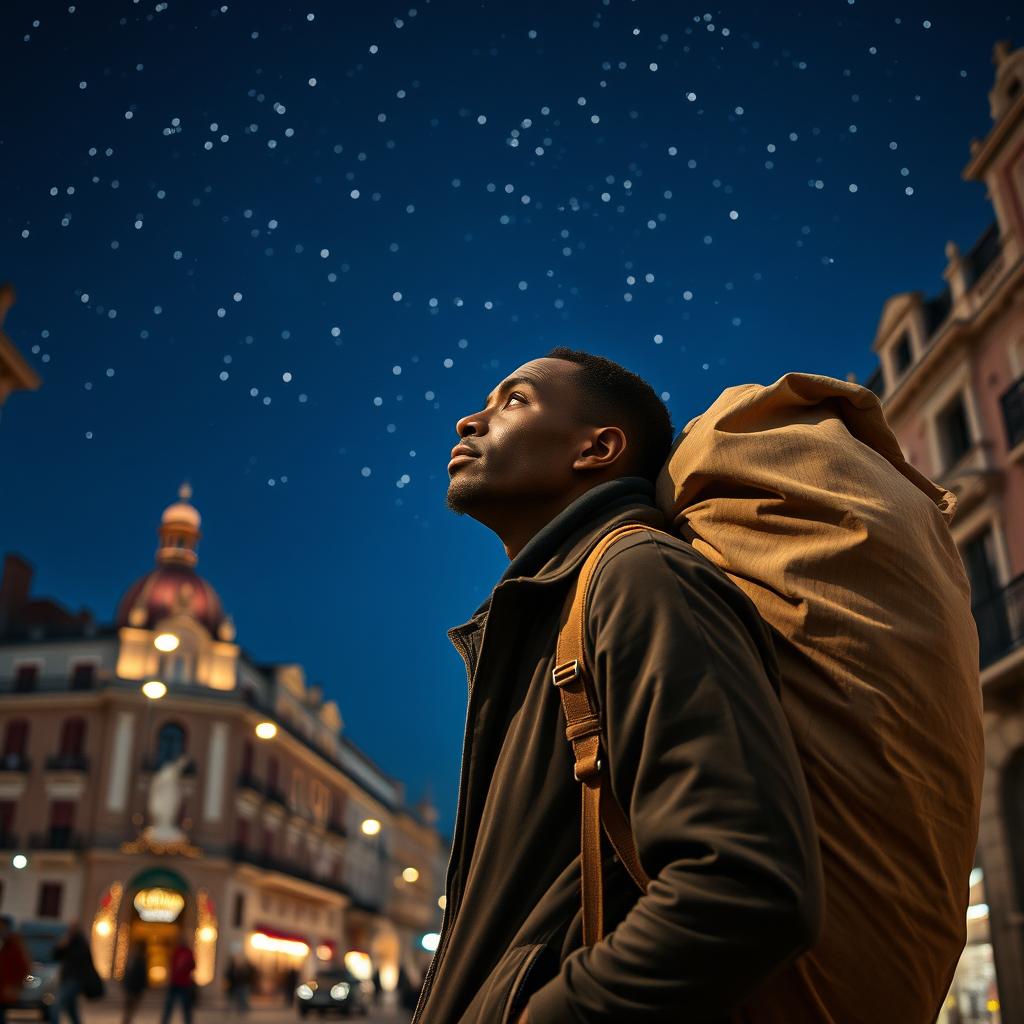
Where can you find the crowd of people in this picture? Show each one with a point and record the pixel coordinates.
(78, 979)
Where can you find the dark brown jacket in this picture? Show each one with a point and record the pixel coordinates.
(696, 750)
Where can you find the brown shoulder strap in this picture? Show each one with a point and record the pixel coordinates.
(583, 730)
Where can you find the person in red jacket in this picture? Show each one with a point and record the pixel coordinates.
(183, 963)
(14, 965)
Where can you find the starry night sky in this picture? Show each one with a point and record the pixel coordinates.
(278, 249)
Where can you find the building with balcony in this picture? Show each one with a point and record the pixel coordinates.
(156, 781)
(951, 381)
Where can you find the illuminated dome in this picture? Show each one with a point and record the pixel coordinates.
(174, 587)
(171, 590)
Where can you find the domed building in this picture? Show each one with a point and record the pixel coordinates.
(172, 599)
(157, 783)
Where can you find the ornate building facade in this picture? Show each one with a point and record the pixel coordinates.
(951, 380)
(156, 782)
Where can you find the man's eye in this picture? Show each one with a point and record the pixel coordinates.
(517, 396)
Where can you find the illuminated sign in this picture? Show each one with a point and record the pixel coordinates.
(273, 944)
(162, 905)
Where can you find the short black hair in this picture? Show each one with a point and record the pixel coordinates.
(613, 395)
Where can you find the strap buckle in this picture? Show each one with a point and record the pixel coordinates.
(567, 672)
(589, 770)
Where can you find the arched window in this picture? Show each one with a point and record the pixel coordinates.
(72, 738)
(1013, 812)
(170, 743)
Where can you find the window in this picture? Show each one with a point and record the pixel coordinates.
(50, 894)
(170, 743)
(902, 354)
(268, 842)
(247, 755)
(242, 833)
(62, 823)
(988, 603)
(72, 738)
(83, 677)
(7, 809)
(1013, 811)
(15, 744)
(238, 914)
(954, 433)
(26, 677)
(272, 773)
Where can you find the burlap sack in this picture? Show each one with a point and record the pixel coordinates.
(800, 493)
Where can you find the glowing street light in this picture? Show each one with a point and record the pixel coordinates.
(370, 827)
(266, 730)
(410, 875)
(429, 941)
(19, 861)
(166, 642)
(154, 689)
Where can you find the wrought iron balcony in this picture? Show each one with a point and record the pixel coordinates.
(58, 838)
(1000, 621)
(269, 862)
(246, 780)
(9, 841)
(67, 763)
(1012, 402)
(973, 477)
(14, 763)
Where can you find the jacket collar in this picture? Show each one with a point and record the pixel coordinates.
(557, 550)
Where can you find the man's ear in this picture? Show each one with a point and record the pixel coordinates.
(602, 449)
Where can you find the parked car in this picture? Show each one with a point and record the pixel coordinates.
(40, 988)
(333, 991)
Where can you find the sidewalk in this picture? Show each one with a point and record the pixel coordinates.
(108, 1011)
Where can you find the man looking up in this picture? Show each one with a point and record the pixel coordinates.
(694, 744)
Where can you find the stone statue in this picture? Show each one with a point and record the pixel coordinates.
(164, 802)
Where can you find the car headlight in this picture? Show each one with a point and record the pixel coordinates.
(31, 981)
(304, 992)
(340, 991)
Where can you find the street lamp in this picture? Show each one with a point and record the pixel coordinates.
(370, 827)
(266, 730)
(166, 642)
(410, 875)
(154, 689)
(19, 861)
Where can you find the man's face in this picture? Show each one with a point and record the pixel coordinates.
(520, 448)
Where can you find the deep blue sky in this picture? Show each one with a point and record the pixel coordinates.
(666, 184)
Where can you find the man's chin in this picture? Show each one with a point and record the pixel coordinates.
(463, 496)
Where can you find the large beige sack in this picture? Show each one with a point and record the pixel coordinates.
(800, 493)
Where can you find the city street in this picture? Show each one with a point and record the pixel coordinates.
(108, 1011)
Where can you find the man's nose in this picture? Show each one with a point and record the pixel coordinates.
(471, 426)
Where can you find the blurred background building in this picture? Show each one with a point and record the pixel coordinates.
(156, 782)
(951, 380)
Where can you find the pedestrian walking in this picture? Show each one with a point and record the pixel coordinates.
(181, 990)
(14, 966)
(135, 979)
(77, 976)
(239, 976)
(290, 983)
